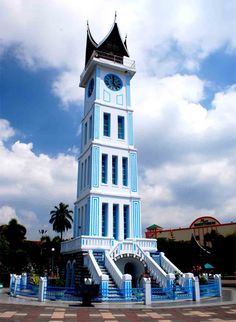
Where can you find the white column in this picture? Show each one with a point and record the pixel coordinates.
(42, 289)
(147, 291)
(110, 220)
(196, 289)
(121, 222)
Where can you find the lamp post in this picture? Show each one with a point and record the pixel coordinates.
(53, 250)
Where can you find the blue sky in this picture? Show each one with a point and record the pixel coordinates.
(183, 95)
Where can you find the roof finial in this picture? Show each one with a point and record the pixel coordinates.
(87, 25)
(115, 16)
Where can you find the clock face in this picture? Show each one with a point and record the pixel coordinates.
(113, 82)
(90, 87)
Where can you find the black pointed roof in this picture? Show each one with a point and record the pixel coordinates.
(112, 44)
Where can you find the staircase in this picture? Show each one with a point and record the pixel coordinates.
(113, 291)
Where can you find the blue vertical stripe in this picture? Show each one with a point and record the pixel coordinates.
(96, 134)
(128, 100)
(94, 216)
(75, 222)
(133, 169)
(95, 166)
(136, 223)
(78, 176)
(130, 129)
(98, 83)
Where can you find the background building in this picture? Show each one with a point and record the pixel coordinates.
(201, 229)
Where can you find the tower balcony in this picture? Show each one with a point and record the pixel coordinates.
(86, 243)
(110, 60)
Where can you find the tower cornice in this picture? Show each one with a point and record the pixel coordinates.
(98, 58)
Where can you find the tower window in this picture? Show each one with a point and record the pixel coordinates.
(114, 169)
(89, 171)
(85, 133)
(104, 168)
(85, 172)
(121, 127)
(125, 171)
(106, 124)
(104, 219)
(126, 221)
(115, 220)
(90, 127)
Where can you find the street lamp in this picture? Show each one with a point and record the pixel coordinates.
(53, 250)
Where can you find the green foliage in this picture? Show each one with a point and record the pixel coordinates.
(186, 254)
(61, 218)
(34, 279)
(202, 280)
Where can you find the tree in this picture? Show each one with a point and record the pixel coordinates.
(61, 218)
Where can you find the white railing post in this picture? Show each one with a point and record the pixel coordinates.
(17, 284)
(196, 289)
(42, 289)
(217, 278)
(12, 280)
(147, 291)
(24, 281)
(104, 287)
(127, 287)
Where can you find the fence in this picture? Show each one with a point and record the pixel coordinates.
(210, 289)
(169, 293)
(21, 286)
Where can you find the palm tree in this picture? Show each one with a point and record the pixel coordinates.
(61, 218)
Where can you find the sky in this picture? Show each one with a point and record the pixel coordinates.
(183, 96)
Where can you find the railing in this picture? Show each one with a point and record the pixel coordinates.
(94, 269)
(107, 243)
(114, 58)
(170, 293)
(167, 265)
(156, 271)
(113, 270)
(132, 247)
(87, 243)
(210, 289)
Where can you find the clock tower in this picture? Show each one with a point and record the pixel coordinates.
(107, 237)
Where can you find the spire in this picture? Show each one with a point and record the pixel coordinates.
(125, 42)
(91, 44)
(112, 44)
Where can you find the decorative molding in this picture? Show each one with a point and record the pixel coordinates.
(94, 216)
(120, 99)
(96, 133)
(106, 96)
(97, 86)
(130, 129)
(95, 166)
(136, 224)
(133, 170)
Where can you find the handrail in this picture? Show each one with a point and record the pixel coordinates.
(156, 271)
(168, 266)
(113, 270)
(93, 267)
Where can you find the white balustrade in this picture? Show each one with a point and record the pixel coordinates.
(114, 271)
(156, 271)
(94, 269)
(168, 266)
(87, 243)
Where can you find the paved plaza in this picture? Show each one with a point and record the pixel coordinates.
(211, 310)
(30, 313)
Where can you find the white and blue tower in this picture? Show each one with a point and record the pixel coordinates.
(107, 216)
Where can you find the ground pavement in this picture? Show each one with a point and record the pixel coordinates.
(17, 310)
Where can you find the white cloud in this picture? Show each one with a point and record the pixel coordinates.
(6, 131)
(187, 154)
(189, 169)
(6, 214)
(177, 34)
(33, 184)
